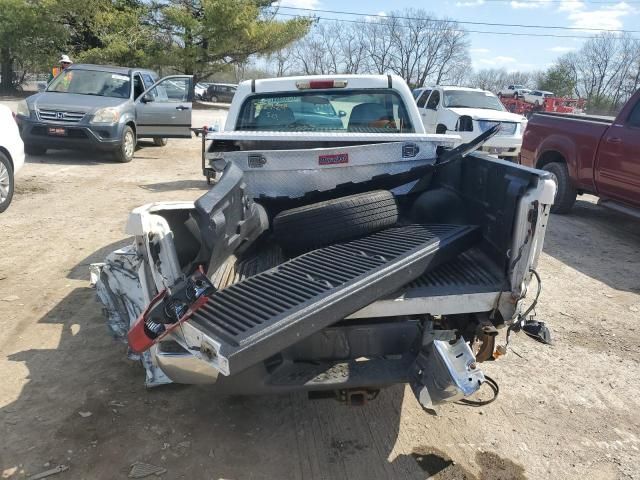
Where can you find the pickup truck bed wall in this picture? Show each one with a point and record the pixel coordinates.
(486, 193)
(476, 190)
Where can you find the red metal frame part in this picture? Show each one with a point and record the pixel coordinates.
(551, 104)
(138, 339)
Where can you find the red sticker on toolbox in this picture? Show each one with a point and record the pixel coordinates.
(333, 159)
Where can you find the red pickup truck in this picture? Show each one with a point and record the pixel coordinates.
(589, 154)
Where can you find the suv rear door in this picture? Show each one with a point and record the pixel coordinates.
(164, 109)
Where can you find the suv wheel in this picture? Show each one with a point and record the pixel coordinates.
(566, 194)
(124, 154)
(213, 99)
(34, 149)
(6, 182)
(160, 141)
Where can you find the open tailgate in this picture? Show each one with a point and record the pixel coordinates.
(254, 319)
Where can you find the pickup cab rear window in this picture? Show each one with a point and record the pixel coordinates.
(365, 111)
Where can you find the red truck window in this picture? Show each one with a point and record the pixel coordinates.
(634, 118)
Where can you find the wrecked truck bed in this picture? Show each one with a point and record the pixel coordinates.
(419, 300)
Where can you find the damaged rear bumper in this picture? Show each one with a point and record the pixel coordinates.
(340, 358)
(365, 356)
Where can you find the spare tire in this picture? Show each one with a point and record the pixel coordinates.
(324, 223)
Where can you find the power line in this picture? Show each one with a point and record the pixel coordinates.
(488, 24)
(488, 32)
(545, 2)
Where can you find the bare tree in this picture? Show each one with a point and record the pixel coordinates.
(281, 61)
(528, 79)
(458, 74)
(424, 49)
(606, 70)
(488, 79)
(453, 56)
(318, 52)
(494, 79)
(353, 45)
(417, 46)
(379, 45)
(628, 57)
(632, 81)
(412, 44)
(409, 42)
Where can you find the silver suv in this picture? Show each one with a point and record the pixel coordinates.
(106, 108)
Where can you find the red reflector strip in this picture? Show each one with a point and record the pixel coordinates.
(319, 84)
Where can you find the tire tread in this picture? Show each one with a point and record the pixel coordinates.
(323, 223)
(566, 194)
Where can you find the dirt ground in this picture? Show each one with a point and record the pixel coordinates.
(69, 396)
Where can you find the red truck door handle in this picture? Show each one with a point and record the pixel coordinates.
(614, 140)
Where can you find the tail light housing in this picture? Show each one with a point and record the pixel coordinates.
(168, 310)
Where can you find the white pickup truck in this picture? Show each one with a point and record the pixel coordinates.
(514, 91)
(341, 250)
(468, 112)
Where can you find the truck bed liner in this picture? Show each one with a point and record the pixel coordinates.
(258, 317)
(437, 291)
(470, 283)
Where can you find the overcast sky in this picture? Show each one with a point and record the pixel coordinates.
(510, 52)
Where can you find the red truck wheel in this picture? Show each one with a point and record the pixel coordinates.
(566, 194)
